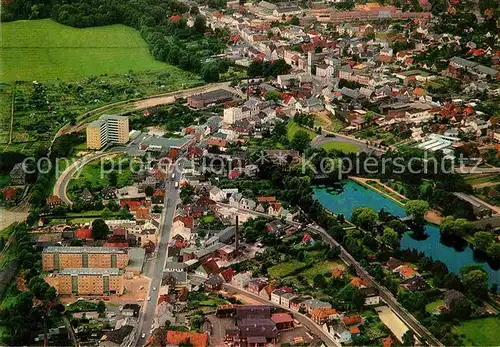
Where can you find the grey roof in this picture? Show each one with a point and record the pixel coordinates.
(203, 251)
(214, 280)
(103, 250)
(464, 62)
(486, 70)
(90, 271)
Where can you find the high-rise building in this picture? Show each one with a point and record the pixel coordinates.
(89, 281)
(107, 129)
(58, 258)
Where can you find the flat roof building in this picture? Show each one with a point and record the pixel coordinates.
(83, 281)
(106, 130)
(59, 258)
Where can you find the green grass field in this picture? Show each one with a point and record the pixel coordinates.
(292, 128)
(45, 50)
(431, 307)
(480, 332)
(345, 147)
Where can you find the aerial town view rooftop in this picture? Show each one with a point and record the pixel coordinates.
(250, 173)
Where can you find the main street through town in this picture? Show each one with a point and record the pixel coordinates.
(147, 317)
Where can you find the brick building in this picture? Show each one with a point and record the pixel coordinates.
(58, 258)
(83, 281)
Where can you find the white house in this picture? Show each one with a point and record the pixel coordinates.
(234, 199)
(247, 204)
(338, 331)
(217, 194)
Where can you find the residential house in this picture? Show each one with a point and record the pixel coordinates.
(286, 298)
(274, 209)
(17, 175)
(359, 283)
(282, 320)
(371, 295)
(214, 283)
(234, 199)
(393, 263)
(406, 272)
(247, 204)
(338, 331)
(217, 194)
(207, 269)
(299, 302)
(241, 280)
(322, 315)
(417, 284)
(313, 304)
(256, 285)
(450, 296)
(53, 201)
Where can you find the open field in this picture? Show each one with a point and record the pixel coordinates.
(345, 147)
(480, 332)
(46, 50)
(292, 128)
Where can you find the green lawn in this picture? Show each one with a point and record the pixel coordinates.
(46, 50)
(93, 178)
(345, 147)
(431, 307)
(292, 128)
(320, 269)
(281, 270)
(480, 332)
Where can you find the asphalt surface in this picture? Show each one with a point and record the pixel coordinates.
(384, 293)
(61, 185)
(147, 316)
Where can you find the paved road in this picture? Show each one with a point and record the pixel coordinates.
(62, 182)
(306, 321)
(385, 294)
(146, 320)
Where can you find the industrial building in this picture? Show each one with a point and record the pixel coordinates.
(106, 130)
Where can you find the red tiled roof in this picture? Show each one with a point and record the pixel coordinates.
(217, 142)
(142, 213)
(281, 318)
(180, 337)
(337, 272)
(406, 271)
(51, 199)
(228, 274)
(83, 233)
(266, 199)
(358, 282)
(352, 320)
(133, 205)
(354, 330)
(159, 192)
(9, 193)
(387, 342)
(175, 19)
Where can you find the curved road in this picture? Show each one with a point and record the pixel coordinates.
(63, 180)
(385, 294)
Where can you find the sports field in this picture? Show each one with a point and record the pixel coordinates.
(45, 50)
